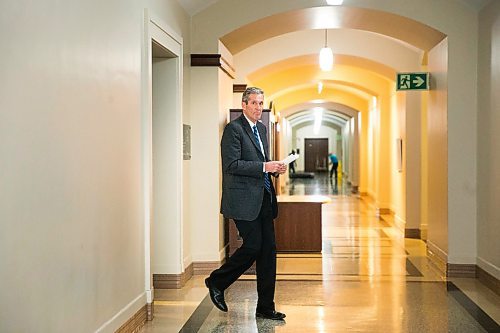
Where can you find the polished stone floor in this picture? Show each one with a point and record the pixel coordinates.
(320, 184)
(368, 278)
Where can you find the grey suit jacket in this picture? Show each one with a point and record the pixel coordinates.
(242, 171)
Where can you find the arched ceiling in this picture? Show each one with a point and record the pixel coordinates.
(358, 48)
(196, 6)
(333, 17)
(363, 71)
(286, 101)
(358, 81)
(309, 60)
(307, 116)
(339, 109)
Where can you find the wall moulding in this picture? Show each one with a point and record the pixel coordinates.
(213, 60)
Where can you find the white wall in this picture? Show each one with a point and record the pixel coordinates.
(398, 184)
(488, 161)
(437, 123)
(307, 132)
(71, 232)
(205, 182)
(225, 103)
(166, 223)
(412, 155)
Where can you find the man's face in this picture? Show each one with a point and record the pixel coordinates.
(253, 109)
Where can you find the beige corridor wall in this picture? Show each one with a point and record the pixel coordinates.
(205, 180)
(489, 140)
(71, 231)
(398, 131)
(437, 152)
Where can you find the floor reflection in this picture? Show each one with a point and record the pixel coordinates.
(368, 278)
(320, 184)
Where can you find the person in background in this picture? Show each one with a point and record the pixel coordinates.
(249, 198)
(292, 165)
(335, 164)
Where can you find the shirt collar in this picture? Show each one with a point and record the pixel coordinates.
(252, 124)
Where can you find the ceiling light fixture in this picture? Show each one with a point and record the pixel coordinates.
(334, 2)
(320, 87)
(318, 117)
(326, 56)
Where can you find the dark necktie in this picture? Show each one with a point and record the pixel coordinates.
(267, 182)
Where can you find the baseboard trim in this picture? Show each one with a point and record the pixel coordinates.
(172, 281)
(384, 211)
(423, 232)
(128, 319)
(488, 280)
(413, 233)
(150, 309)
(461, 270)
(136, 322)
(205, 267)
(437, 257)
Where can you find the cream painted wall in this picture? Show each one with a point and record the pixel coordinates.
(437, 158)
(225, 103)
(372, 131)
(347, 136)
(205, 182)
(364, 150)
(166, 226)
(412, 156)
(385, 144)
(424, 167)
(71, 192)
(462, 118)
(488, 161)
(398, 184)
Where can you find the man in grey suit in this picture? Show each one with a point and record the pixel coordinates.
(249, 198)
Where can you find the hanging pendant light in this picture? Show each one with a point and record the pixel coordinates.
(326, 56)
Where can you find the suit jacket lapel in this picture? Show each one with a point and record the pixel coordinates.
(249, 131)
(263, 137)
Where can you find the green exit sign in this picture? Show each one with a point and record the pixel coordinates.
(413, 81)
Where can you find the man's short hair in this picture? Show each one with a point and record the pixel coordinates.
(251, 90)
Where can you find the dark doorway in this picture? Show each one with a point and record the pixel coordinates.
(316, 155)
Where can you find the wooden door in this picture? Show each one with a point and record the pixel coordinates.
(316, 155)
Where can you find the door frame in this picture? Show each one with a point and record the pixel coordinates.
(162, 34)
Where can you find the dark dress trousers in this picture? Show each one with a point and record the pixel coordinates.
(251, 206)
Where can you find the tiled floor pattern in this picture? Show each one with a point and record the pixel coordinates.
(368, 278)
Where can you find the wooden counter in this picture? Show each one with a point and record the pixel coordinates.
(298, 226)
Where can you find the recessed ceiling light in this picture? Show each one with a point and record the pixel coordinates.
(334, 2)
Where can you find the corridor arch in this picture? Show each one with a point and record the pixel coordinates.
(453, 46)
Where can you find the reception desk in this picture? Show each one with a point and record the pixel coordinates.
(298, 226)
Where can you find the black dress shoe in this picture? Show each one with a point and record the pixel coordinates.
(216, 296)
(273, 315)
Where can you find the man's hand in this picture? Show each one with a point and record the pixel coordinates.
(275, 167)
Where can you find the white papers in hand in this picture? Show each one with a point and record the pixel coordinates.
(290, 158)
